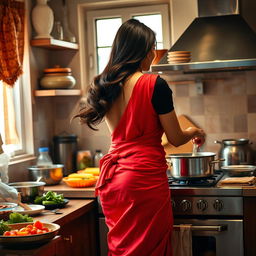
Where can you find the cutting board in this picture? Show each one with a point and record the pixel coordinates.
(184, 122)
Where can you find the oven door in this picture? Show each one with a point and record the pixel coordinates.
(215, 237)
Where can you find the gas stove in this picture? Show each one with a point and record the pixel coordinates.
(198, 182)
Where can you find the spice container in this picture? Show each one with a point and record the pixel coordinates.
(57, 78)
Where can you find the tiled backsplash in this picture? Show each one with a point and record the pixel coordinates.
(226, 109)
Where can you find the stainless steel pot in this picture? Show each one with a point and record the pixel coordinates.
(29, 190)
(188, 166)
(236, 152)
(51, 174)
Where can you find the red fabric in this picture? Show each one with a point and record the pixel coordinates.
(133, 187)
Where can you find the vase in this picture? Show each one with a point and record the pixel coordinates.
(42, 19)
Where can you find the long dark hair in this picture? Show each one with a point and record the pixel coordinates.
(131, 45)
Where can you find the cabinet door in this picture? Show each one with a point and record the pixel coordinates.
(78, 237)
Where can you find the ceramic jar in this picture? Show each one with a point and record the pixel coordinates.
(42, 19)
(57, 78)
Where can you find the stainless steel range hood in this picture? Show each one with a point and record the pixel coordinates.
(216, 43)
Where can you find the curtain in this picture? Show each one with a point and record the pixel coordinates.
(11, 40)
(12, 17)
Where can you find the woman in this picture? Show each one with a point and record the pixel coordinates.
(133, 185)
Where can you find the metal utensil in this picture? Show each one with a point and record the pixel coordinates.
(239, 170)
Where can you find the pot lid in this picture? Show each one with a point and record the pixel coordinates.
(57, 69)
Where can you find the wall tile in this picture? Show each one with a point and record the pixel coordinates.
(240, 123)
(251, 82)
(196, 105)
(251, 101)
(251, 120)
(182, 90)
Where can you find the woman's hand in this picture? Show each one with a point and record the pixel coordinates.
(198, 135)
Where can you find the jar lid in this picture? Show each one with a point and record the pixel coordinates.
(65, 138)
(57, 69)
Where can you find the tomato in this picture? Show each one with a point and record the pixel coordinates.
(29, 227)
(7, 233)
(45, 229)
(33, 231)
(38, 224)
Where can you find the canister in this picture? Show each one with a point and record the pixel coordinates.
(64, 152)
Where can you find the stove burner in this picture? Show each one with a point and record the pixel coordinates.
(200, 182)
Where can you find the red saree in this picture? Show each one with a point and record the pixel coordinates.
(133, 186)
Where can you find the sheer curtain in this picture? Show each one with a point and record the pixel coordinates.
(11, 57)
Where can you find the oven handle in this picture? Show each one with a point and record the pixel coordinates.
(218, 228)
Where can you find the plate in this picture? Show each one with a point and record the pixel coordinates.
(55, 206)
(5, 206)
(35, 209)
(239, 170)
(23, 241)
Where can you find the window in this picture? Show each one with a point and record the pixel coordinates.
(22, 109)
(103, 25)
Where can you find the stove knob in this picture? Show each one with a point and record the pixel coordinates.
(185, 205)
(202, 205)
(218, 205)
(173, 204)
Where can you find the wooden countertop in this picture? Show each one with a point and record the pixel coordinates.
(72, 210)
(69, 192)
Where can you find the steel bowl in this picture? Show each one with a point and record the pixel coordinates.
(29, 190)
(239, 170)
(51, 174)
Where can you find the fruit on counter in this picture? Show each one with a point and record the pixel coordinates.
(31, 229)
(79, 180)
(81, 176)
(93, 170)
(49, 198)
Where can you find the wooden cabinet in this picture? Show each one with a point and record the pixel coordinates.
(78, 237)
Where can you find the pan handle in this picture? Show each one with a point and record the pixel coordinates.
(217, 161)
(217, 228)
(39, 179)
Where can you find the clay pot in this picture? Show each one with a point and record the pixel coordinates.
(57, 78)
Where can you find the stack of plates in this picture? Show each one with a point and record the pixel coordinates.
(178, 57)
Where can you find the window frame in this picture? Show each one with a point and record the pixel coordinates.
(124, 13)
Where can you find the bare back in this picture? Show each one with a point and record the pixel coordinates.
(114, 115)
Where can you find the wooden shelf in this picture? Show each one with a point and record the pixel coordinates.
(53, 44)
(59, 92)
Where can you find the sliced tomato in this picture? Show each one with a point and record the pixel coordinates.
(38, 224)
(7, 233)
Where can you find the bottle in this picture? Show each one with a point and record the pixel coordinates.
(44, 159)
(96, 158)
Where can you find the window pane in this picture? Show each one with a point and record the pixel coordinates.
(153, 21)
(103, 57)
(106, 30)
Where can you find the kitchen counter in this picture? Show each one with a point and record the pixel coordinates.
(77, 233)
(69, 192)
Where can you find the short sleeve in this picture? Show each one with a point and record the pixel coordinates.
(162, 97)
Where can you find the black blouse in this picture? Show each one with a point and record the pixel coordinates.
(162, 97)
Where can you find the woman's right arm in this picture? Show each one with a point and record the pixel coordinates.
(175, 135)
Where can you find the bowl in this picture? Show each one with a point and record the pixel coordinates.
(30, 240)
(51, 174)
(73, 183)
(29, 190)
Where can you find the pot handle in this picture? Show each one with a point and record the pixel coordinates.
(217, 142)
(217, 161)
